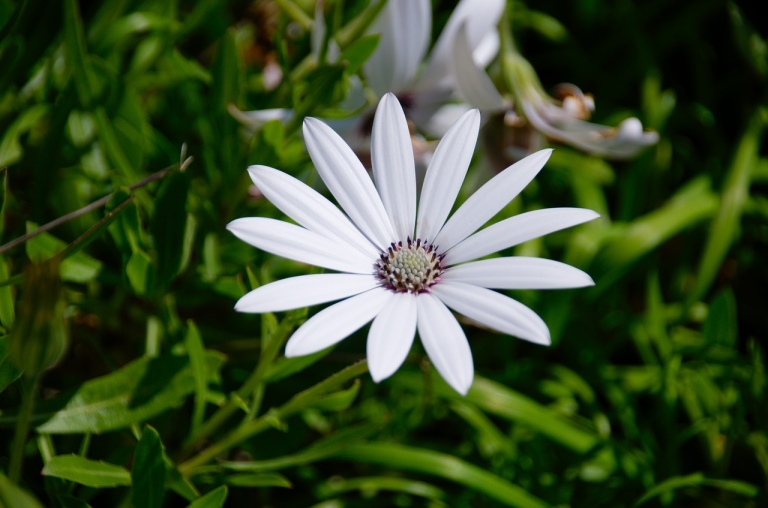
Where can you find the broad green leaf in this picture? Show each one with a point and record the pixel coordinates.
(148, 471)
(376, 483)
(12, 496)
(169, 224)
(445, 466)
(196, 354)
(725, 225)
(214, 499)
(506, 403)
(91, 473)
(721, 326)
(257, 480)
(141, 272)
(357, 53)
(140, 390)
(80, 267)
(8, 371)
(696, 480)
(10, 146)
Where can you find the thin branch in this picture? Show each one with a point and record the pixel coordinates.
(92, 206)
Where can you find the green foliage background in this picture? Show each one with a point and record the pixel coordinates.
(653, 393)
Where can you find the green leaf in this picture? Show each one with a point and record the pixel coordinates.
(7, 304)
(214, 499)
(140, 390)
(258, 480)
(12, 496)
(322, 88)
(8, 371)
(445, 466)
(689, 206)
(126, 230)
(90, 473)
(10, 146)
(169, 225)
(148, 471)
(72, 502)
(721, 326)
(141, 272)
(725, 225)
(320, 450)
(696, 480)
(79, 267)
(227, 74)
(372, 484)
(196, 354)
(76, 54)
(501, 401)
(338, 401)
(359, 52)
(3, 199)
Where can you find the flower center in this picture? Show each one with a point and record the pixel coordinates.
(410, 268)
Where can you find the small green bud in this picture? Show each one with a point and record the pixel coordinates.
(39, 337)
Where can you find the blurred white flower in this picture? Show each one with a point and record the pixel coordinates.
(561, 120)
(405, 28)
(403, 267)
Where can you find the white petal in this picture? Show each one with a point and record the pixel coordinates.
(494, 310)
(337, 322)
(481, 16)
(256, 119)
(393, 165)
(347, 180)
(490, 198)
(309, 208)
(617, 143)
(445, 343)
(438, 123)
(518, 273)
(303, 291)
(445, 174)
(516, 230)
(472, 83)
(391, 336)
(487, 49)
(294, 242)
(405, 27)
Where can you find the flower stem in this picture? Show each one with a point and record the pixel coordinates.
(251, 428)
(22, 428)
(253, 385)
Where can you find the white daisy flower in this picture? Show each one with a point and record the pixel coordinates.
(402, 268)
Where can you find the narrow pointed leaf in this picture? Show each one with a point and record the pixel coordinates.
(91, 473)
